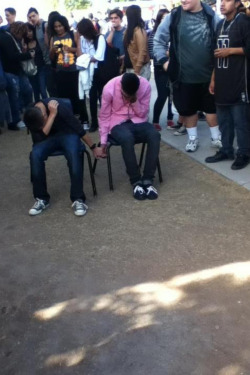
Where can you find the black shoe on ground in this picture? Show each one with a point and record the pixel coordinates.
(219, 156)
(139, 193)
(13, 127)
(151, 192)
(240, 162)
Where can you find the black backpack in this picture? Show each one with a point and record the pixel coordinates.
(110, 66)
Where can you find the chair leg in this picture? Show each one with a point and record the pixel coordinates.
(96, 160)
(92, 177)
(159, 170)
(142, 154)
(111, 186)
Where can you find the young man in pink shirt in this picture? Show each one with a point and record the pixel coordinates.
(124, 115)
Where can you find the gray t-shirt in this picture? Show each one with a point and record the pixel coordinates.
(118, 40)
(194, 49)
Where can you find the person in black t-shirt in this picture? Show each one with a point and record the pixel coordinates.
(230, 84)
(54, 127)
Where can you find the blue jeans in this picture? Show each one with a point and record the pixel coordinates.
(38, 83)
(163, 92)
(72, 147)
(127, 134)
(234, 118)
(20, 93)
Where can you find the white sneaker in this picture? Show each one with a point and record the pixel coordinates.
(192, 144)
(21, 125)
(79, 208)
(216, 143)
(39, 206)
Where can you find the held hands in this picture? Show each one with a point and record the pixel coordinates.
(98, 153)
(52, 105)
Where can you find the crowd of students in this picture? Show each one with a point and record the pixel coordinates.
(199, 59)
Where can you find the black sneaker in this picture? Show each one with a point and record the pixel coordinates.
(151, 192)
(13, 126)
(240, 162)
(139, 193)
(219, 156)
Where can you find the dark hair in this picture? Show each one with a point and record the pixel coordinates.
(33, 118)
(28, 28)
(18, 29)
(63, 21)
(130, 83)
(86, 28)
(116, 11)
(31, 10)
(11, 11)
(134, 20)
(159, 17)
(51, 23)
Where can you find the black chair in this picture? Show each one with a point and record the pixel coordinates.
(82, 152)
(111, 142)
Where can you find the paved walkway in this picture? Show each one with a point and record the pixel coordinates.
(241, 177)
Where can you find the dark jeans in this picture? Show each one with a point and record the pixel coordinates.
(127, 134)
(163, 91)
(231, 119)
(71, 145)
(19, 92)
(38, 83)
(95, 95)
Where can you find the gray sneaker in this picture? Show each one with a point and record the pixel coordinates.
(181, 131)
(79, 208)
(39, 206)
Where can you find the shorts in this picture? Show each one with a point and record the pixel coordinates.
(189, 98)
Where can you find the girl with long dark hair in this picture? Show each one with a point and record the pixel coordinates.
(94, 45)
(63, 52)
(136, 42)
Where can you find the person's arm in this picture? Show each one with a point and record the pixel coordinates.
(110, 36)
(53, 51)
(141, 105)
(97, 151)
(141, 41)
(212, 83)
(104, 115)
(52, 106)
(161, 41)
(225, 52)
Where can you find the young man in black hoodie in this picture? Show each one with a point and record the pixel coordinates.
(54, 127)
(230, 84)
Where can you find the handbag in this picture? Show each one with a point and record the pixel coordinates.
(29, 67)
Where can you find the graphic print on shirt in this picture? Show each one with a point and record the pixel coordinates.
(223, 42)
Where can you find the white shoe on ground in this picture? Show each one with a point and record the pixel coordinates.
(79, 208)
(39, 206)
(192, 144)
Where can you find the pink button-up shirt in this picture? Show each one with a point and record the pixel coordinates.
(115, 109)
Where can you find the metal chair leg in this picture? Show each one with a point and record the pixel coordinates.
(142, 154)
(159, 170)
(92, 177)
(111, 186)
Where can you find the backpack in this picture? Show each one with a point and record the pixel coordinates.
(110, 67)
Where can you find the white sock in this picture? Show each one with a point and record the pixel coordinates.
(192, 132)
(215, 133)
